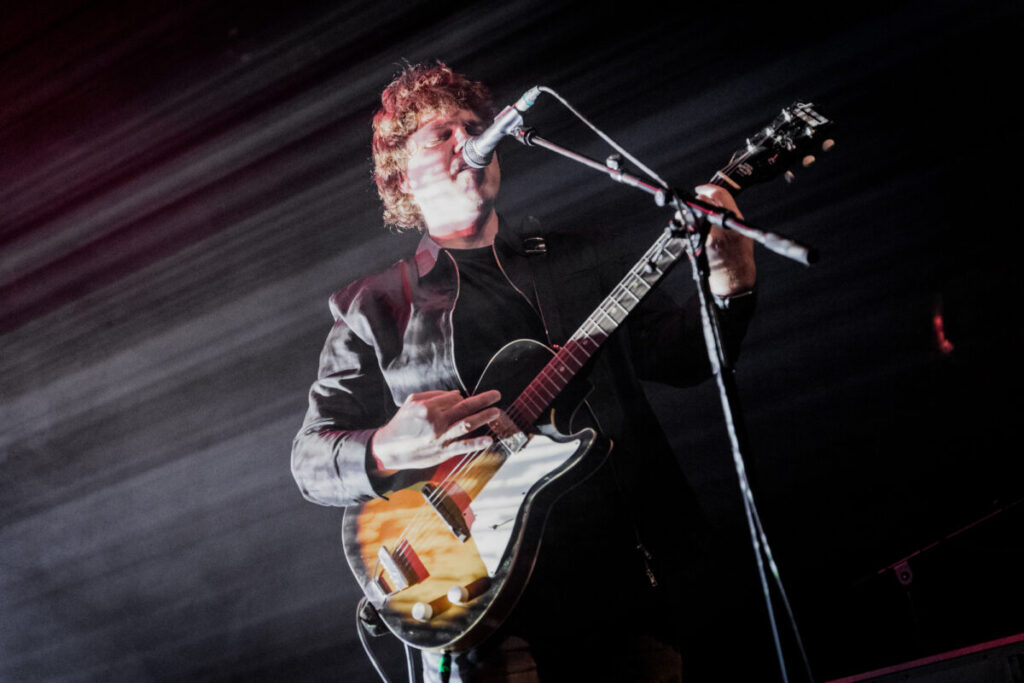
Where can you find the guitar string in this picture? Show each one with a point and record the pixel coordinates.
(467, 465)
(464, 469)
(446, 485)
(551, 373)
(592, 331)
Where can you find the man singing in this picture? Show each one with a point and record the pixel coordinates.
(607, 599)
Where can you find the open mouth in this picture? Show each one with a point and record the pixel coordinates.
(459, 165)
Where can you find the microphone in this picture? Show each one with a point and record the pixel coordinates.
(478, 150)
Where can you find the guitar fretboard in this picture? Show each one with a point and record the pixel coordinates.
(605, 319)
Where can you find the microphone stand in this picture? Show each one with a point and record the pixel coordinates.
(692, 220)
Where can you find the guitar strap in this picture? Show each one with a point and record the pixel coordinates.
(529, 267)
(541, 266)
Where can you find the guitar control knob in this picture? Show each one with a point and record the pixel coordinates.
(828, 145)
(458, 595)
(422, 611)
(808, 160)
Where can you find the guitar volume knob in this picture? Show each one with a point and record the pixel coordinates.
(458, 595)
(422, 611)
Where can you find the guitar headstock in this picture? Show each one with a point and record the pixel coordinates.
(794, 137)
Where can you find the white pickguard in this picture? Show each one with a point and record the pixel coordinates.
(496, 506)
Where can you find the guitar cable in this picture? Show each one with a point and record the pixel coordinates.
(361, 629)
(444, 667)
(410, 665)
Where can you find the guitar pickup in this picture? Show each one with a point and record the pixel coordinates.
(446, 503)
(511, 438)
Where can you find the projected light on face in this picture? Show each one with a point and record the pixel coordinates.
(454, 199)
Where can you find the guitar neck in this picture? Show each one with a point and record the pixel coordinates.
(588, 338)
(764, 156)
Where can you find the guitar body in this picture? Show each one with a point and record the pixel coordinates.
(502, 500)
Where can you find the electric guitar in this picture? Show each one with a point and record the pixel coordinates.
(444, 561)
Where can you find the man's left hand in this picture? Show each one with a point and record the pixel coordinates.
(730, 254)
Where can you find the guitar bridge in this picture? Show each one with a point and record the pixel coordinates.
(402, 567)
(443, 501)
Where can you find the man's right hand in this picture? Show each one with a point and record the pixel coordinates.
(429, 428)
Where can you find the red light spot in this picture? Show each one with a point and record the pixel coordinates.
(945, 346)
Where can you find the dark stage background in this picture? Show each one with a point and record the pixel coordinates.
(182, 185)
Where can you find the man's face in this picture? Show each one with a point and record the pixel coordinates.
(453, 198)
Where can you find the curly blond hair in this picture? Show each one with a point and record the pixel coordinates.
(418, 92)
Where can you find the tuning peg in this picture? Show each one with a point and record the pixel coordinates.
(789, 176)
(828, 145)
(808, 160)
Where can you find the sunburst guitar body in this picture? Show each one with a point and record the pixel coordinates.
(444, 560)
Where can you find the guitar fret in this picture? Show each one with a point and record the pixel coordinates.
(545, 391)
(525, 398)
(539, 397)
(614, 309)
(643, 288)
(639, 279)
(569, 351)
(554, 383)
(615, 323)
(624, 289)
(580, 344)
